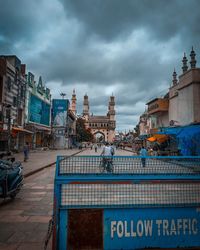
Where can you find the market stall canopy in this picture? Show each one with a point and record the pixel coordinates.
(17, 129)
(158, 138)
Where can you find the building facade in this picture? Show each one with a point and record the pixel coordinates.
(184, 95)
(38, 112)
(12, 103)
(102, 127)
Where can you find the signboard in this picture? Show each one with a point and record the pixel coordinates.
(59, 114)
(151, 227)
(59, 131)
(39, 111)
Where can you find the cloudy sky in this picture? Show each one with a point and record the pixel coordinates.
(99, 47)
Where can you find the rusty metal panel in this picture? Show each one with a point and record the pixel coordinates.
(85, 229)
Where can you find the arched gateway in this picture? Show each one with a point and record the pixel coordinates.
(105, 125)
(99, 136)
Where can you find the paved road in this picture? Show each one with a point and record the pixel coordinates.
(39, 159)
(24, 221)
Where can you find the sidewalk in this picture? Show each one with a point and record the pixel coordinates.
(39, 159)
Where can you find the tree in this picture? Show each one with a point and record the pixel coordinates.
(82, 133)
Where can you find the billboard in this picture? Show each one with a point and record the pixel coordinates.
(39, 111)
(59, 112)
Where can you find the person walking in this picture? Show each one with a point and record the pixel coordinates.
(95, 147)
(26, 151)
(107, 157)
(112, 149)
(143, 154)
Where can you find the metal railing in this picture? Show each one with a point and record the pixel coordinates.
(163, 181)
(129, 165)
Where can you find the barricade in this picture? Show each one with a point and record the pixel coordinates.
(135, 203)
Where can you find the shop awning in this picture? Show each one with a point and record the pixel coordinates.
(158, 138)
(16, 129)
(41, 128)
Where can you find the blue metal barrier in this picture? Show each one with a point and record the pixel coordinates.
(132, 204)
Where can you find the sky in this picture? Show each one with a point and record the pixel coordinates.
(128, 48)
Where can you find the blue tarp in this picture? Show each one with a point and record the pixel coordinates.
(188, 138)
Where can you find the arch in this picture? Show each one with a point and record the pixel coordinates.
(99, 136)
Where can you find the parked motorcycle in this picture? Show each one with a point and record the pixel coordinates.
(11, 178)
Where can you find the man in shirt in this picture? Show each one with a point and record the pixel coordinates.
(107, 154)
(143, 153)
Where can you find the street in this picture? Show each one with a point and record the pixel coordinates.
(24, 221)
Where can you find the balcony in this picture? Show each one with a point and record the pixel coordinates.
(158, 105)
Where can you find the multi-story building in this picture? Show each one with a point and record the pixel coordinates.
(64, 122)
(158, 113)
(59, 122)
(12, 103)
(184, 95)
(38, 112)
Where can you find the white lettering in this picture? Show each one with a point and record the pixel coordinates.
(179, 225)
(194, 226)
(120, 229)
(185, 226)
(173, 228)
(127, 234)
(133, 234)
(158, 222)
(113, 228)
(140, 228)
(165, 227)
(148, 227)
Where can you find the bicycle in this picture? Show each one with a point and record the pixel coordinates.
(106, 165)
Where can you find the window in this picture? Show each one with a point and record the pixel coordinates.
(22, 92)
(14, 101)
(9, 84)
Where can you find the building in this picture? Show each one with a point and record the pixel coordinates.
(177, 114)
(12, 103)
(38, 112)
(64, 122)
(102, 127)
(157, 112)
(59, 123)
(184, 95)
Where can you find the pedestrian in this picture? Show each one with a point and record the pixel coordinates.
(107, 157)
(95, 147)
(26, 151)
(112, 149)
(143, 154)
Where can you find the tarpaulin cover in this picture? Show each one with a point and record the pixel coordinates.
(188, 138)
(158, 137)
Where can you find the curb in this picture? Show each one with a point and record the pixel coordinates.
(47, 166)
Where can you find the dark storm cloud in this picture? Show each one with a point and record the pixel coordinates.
(17, 22)
(101, 47)
(113, 18)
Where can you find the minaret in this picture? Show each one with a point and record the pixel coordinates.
(193, 60)
(185, 67)
(174, 81)
(111, 108)
(86, 106)
(73, 102)
(111, 115)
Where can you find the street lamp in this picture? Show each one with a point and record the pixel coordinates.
(63, 95)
